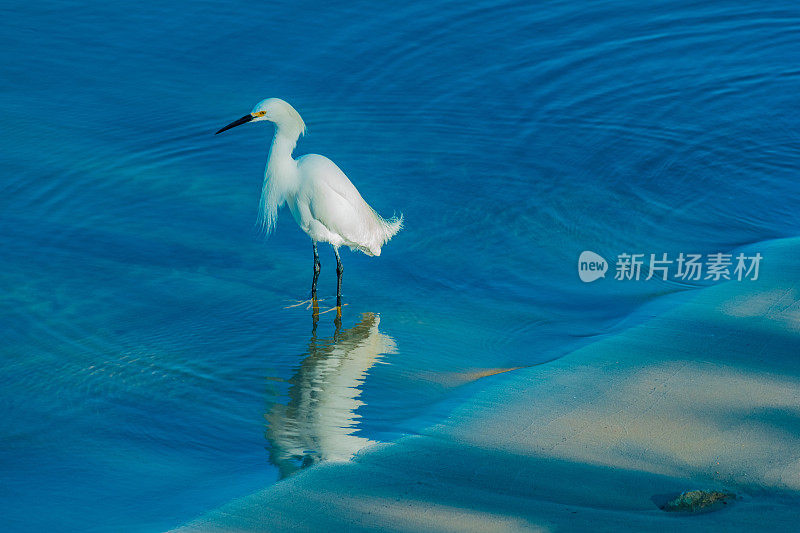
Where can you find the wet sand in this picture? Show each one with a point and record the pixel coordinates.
(705, 395)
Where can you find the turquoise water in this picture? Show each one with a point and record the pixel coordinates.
(152, 367)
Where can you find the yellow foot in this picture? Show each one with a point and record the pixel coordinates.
(308, 303)
(337, 309)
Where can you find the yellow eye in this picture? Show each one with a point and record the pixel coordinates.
(260, 113)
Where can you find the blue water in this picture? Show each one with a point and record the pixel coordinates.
(147, 343)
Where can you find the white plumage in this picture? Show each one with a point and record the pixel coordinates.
(328, 207)
(324, 202)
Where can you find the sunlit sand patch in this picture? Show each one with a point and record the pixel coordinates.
(430, 516)
(781, 306)
(669, 418)
(454, 379)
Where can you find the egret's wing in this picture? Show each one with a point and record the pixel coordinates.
(321, 170)
(334, 201)
(338, 213)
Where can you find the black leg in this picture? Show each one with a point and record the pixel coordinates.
(317, 268)
(337, 323)
(339, 271)
(314, 318)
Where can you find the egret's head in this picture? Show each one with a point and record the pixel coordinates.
(274, 110)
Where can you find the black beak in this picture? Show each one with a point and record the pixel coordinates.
(245, 119)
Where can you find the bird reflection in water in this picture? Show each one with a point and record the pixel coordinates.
(319, 421)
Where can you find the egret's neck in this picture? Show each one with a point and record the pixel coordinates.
(281, 166)
(281, 179)
(282, 145)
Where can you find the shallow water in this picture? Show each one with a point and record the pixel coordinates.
(149, 340)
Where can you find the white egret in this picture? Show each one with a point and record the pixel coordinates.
(323, 201)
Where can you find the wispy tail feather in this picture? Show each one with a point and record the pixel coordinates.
(386, 230)
(390, 227)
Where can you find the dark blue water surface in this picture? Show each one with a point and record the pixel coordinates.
(148, 353)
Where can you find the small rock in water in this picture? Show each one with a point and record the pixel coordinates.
(699, 500)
